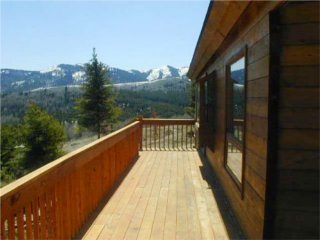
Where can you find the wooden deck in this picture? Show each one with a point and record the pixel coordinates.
(165, 195)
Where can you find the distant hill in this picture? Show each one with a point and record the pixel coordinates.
(67, 74)
(238, 76)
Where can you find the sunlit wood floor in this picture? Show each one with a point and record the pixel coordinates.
(163, 196)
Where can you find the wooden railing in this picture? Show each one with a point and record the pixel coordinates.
(54, 201)
(168, 134)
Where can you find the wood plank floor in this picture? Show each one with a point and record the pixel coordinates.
(163, 196)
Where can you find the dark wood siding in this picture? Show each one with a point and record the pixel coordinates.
(251, 31)
(297, 194)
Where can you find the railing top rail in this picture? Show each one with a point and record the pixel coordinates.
(80, 153)
(161, 121)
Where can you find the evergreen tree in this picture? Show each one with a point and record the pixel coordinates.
(11, 152)
(97, 110)
(66, 95)
(43, 137)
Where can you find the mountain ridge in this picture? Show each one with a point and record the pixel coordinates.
(69, 74)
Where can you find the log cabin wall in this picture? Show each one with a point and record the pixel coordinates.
(250, 31)
(296, 207)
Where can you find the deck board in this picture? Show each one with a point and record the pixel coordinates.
(163, 196)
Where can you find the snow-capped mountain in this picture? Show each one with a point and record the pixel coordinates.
(66, 74)
(163, 73)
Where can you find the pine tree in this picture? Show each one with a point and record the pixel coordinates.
(97, 110)
(43, 136)
(10, 161)
(66, 96)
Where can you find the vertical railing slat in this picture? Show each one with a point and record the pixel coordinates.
(159, 132)
(36, 219)
(168, 134)
(150, 136)
(28, 222)
(20, 222)
(3, 228)
(43, 224)
(177, 127)
(11, 227)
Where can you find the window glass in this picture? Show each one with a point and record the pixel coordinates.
(235, 117)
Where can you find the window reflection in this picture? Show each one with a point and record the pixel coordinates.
(235, 118)
(237, 76)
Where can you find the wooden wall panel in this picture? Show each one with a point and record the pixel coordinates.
(299, 97)
(257, 125)
(257, 163)
(305, 224)
(258, 69)
(297, 194)
(299, 76)
(299, 180)
(258, 88)
(298, 159)
(302, 55)
(299, 118)
(303, 202)
(300, 34)
(300, 13)
(299, 139)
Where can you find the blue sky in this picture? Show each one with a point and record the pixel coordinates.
(129, 35)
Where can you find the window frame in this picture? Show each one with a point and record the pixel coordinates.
(242, 53)
(197, 102)
(205, 100)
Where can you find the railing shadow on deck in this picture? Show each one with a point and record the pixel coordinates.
(93, 215)
(232, 225)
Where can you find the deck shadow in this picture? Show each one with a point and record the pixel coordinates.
(92, 217)
(232, 225)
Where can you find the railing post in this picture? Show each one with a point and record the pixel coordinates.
(140, 119)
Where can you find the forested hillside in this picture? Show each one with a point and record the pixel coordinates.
(60, 103)
(39, 106)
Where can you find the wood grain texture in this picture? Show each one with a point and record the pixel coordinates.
(164, 196)
(297, 192)
(300, 13)
(299, 76)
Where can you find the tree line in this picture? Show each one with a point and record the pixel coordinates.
(39, 139)
(32, 132)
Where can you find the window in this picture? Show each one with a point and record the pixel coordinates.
(236, 103)
(208, 100)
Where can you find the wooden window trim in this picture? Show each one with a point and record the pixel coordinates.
(209, 122)
(228, 136)
(197, 102)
